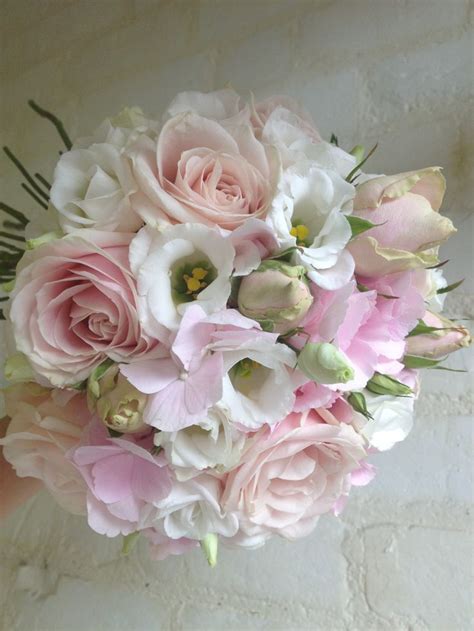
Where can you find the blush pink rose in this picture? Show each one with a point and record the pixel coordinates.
(291, 476)
(409, 227)
(162, 546)
(44, 425)
(75, 304)
(203, 171)
(124, 481)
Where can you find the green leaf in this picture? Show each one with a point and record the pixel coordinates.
(358, 152)
(210, 547)
(413, 361)
(113, 433)
(359, 225)
(445, 290)
(333, 140)
(383, 384)
(129, 541)
(423, 329)
(438, 265)
(351, 175)
(358, 402)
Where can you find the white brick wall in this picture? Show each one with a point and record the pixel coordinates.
(396, 71)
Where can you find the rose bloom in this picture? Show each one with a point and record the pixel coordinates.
(408, 226)
(74, 304)
(203, 170)
(44, 425)
(290, 476)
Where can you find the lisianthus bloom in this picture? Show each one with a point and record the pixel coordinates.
(368, 327)
(44, 426)
(185, 385)
(290, 476)
(309, 212)
(124, 481)
(203, 170)
(193, 509)
(214, 442)
(391, 420)
(409, 227)
(93, 181)
(75, 304)
(177, 267)
(225, 106)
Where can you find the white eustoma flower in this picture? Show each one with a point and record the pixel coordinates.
(192, 510)
(297, 141)
(213, 442)
(259, 387)
(177, 266)
(392, 420)
(93, 182)
(310, 212)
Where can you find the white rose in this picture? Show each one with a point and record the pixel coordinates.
(309, 212)
(174, 268)
(192, 510)
(213, 442)
(392, 420)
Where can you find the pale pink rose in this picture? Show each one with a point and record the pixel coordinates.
(75, 304)
(290, 476)
(44, 425)
(201, 171)
(124, 481)
(448, 338)
(410, 227)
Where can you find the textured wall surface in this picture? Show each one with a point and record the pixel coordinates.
(396, 71)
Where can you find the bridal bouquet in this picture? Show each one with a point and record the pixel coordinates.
(215, 320)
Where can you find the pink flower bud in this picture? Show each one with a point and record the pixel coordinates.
(276, 295)
(449, 338)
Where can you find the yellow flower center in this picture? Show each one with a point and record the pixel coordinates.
(195, 282)
(301, 232)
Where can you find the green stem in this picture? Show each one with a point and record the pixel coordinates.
(34, 196)
(24, 171)
(55, 120)
(16, 214)
(43, 181)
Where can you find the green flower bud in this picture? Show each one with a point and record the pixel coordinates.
(117, 403)
(324, 364)
(276, 295)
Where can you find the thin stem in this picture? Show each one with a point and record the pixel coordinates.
(55, 120)
(16, 214)
(34, 196)
(25, 172)
(11, 246)
(11, 225)
(15, 237)
(43, 181)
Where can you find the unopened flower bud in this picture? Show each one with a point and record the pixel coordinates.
(117, 403)
(276, 295)
(324, 363)
(446, 338)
